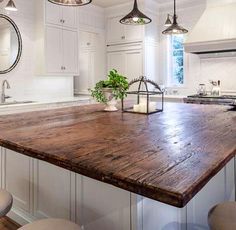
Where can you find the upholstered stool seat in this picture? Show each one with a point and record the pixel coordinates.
(6, 201)
(51, 224)
(223, 216)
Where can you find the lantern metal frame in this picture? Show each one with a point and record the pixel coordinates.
(143, 81)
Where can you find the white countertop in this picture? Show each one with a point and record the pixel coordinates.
(43, 104)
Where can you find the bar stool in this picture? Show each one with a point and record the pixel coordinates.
(6, 201)
(51, 224)
(223, 216)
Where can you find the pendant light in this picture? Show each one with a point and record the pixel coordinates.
(175, 28)
(11, 6)
(135, 17)
(71, 2)
(168, 22)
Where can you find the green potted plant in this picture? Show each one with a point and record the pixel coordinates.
(110, 90)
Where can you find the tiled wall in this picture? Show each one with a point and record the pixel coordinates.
(24, 83)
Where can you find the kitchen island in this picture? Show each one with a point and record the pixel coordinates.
(156, 172)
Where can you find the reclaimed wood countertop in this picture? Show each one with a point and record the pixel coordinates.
(168, 157)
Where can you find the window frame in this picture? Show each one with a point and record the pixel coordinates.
(170, 65)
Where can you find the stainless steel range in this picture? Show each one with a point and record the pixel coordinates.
(209, 99)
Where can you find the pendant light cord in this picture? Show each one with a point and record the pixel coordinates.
(135, 4)
(175, 16)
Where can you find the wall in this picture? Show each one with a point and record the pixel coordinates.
(197, 70)
(24, 84)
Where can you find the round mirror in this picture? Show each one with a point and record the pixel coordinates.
(10, 44)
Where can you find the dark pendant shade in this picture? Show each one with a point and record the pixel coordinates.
(168, 21)
(175, 28)
(135, 17)
(71, 2)
(11, 6)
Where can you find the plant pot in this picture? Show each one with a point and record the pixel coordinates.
(111, 104)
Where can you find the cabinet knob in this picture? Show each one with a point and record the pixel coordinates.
(61, 21)
(88, 43)
(123, 37)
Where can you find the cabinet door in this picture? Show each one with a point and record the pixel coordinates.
(87, 40)
(115, 33)
(69, 17)
(53, 13)
(133, 33)
(53, 50)
(17, 178)
(52, 191)
(102, 206)
(86, 77)
(70, 51)
(133, 64)
(219, 189)
(116, 60)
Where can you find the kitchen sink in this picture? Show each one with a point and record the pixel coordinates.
(15, 103)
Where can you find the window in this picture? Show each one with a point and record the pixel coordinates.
(176, 60)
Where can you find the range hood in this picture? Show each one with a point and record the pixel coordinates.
(215, 32)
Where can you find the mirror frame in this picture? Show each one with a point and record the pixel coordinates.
(19, 44)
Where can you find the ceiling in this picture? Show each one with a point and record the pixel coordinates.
(107, 3)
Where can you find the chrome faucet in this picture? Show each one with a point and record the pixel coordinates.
(5, 85)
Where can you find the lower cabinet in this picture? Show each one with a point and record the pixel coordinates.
(42, 190)
(52, 191)
(17, 178)
(102, 206)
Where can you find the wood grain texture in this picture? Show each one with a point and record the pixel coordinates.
(7, 224)
(167, 157)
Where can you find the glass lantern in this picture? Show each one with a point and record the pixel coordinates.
(143, 91)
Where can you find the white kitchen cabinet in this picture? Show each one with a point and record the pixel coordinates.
(60, 15)
(54, 55)
(119, 33)
(17, 178)
(91, 60)
(133, 60)
(127, 61)
(102, 206)
(87, 40)
(56, 45)
(61, 50)
(219, 189)
(52, 191)
(70, 51)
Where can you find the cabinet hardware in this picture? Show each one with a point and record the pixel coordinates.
(88, 43)
(123, 37)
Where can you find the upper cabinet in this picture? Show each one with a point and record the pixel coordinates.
(60, 15)
(57, 39)
(118, 33)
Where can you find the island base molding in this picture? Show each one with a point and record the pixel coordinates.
(42, 190)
